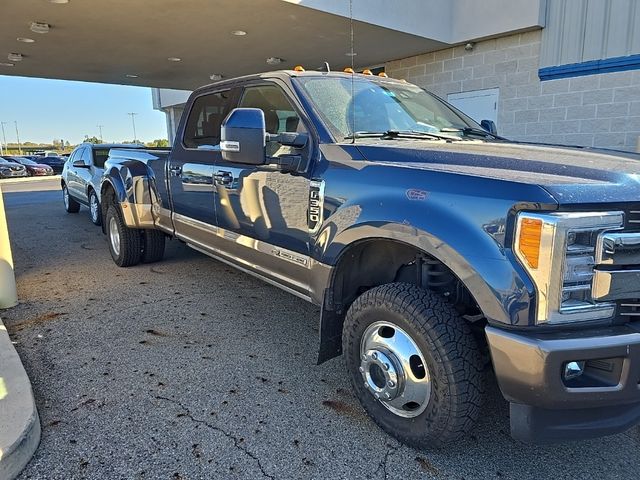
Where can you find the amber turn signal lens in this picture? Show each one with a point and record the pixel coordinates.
(298, 68)
(529, 241)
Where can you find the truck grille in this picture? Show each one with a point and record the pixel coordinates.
(632, 218)
(629, 310)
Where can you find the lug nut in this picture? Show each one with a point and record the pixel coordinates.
(361, 369)
(374, 355)
(391, 383)
(386, 366)
(377, 395)
(363, 357)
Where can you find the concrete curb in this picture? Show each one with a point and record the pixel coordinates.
(19, 421)
(6, 181)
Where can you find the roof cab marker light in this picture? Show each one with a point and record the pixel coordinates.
(366, 71)
(298, 68)
(383, 75)
(348, 70)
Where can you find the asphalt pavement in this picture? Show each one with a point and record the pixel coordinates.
(189, 369)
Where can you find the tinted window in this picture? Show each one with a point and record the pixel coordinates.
(279, 114)
(205, 119)
(99, 157)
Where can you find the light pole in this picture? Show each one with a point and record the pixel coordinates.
(100, 128)
(133, 122)
(4, 138)
(18, 137)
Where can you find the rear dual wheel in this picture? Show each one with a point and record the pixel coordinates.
(414, 364)
(130, 246)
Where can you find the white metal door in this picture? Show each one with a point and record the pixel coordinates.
(478, 104)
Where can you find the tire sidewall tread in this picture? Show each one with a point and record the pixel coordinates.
(450, 350)
(130, 240)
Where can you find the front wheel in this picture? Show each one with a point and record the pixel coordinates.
(124, 242)
(94, 208)
(70, 205)
(414, 364)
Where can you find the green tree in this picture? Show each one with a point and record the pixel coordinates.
(160, 142)
(93, 139)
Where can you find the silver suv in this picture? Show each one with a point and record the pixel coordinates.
(81, 177)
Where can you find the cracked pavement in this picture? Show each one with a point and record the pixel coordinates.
(188, 369)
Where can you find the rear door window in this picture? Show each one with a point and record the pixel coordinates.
(205, 119)
(99, 157)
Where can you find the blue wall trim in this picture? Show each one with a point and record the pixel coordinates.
(608, 65)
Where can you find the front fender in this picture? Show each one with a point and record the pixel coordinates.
(468, 239)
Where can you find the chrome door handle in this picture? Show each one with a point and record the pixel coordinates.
(223, 178)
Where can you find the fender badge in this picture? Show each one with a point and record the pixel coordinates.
(415, 194)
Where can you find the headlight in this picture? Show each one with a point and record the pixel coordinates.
(558, 252)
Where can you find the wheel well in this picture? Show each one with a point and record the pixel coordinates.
(377, 262)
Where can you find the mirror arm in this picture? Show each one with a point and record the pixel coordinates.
(288, 163)
(289, 139)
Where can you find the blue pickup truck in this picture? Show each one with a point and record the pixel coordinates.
(439, 252)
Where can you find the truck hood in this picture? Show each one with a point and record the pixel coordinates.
(571, 175)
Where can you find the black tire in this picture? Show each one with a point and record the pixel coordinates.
(95, 214)
(70, 205)
(128, 251)
(152, 246)
(449, 350)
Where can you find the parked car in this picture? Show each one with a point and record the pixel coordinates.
(9, 169)
(33, 168)
(434, 248)
(81, 176)
(54, 161)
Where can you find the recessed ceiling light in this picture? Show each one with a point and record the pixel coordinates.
(4, 64)
(39, 27)
(215, 76)
(174, 59)
(239, 33)
(14, 57)
(130, 75)
(274, 61)
(25, 40)
(59, 1)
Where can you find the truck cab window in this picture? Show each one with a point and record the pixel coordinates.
(205, 119)
(279, 114)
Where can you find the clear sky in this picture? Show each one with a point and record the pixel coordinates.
(62, 109)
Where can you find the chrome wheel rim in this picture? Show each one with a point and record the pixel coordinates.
(394, 370)
(94, 207)
(114, 236)
(65, 197)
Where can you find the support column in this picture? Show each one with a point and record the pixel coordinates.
(8, 292)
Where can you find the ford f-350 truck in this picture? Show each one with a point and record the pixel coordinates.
(437, 251)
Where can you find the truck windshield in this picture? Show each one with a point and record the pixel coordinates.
(380, 106)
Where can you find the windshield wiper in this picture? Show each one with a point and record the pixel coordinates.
(391, 134)
(469, 131)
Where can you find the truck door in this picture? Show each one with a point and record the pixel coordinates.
(190, 168)
(263, 210)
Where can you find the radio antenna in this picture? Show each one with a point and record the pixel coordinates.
(352, 54)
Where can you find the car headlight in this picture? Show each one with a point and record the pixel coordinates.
(558, 252)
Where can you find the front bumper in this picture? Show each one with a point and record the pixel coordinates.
(545, 407)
